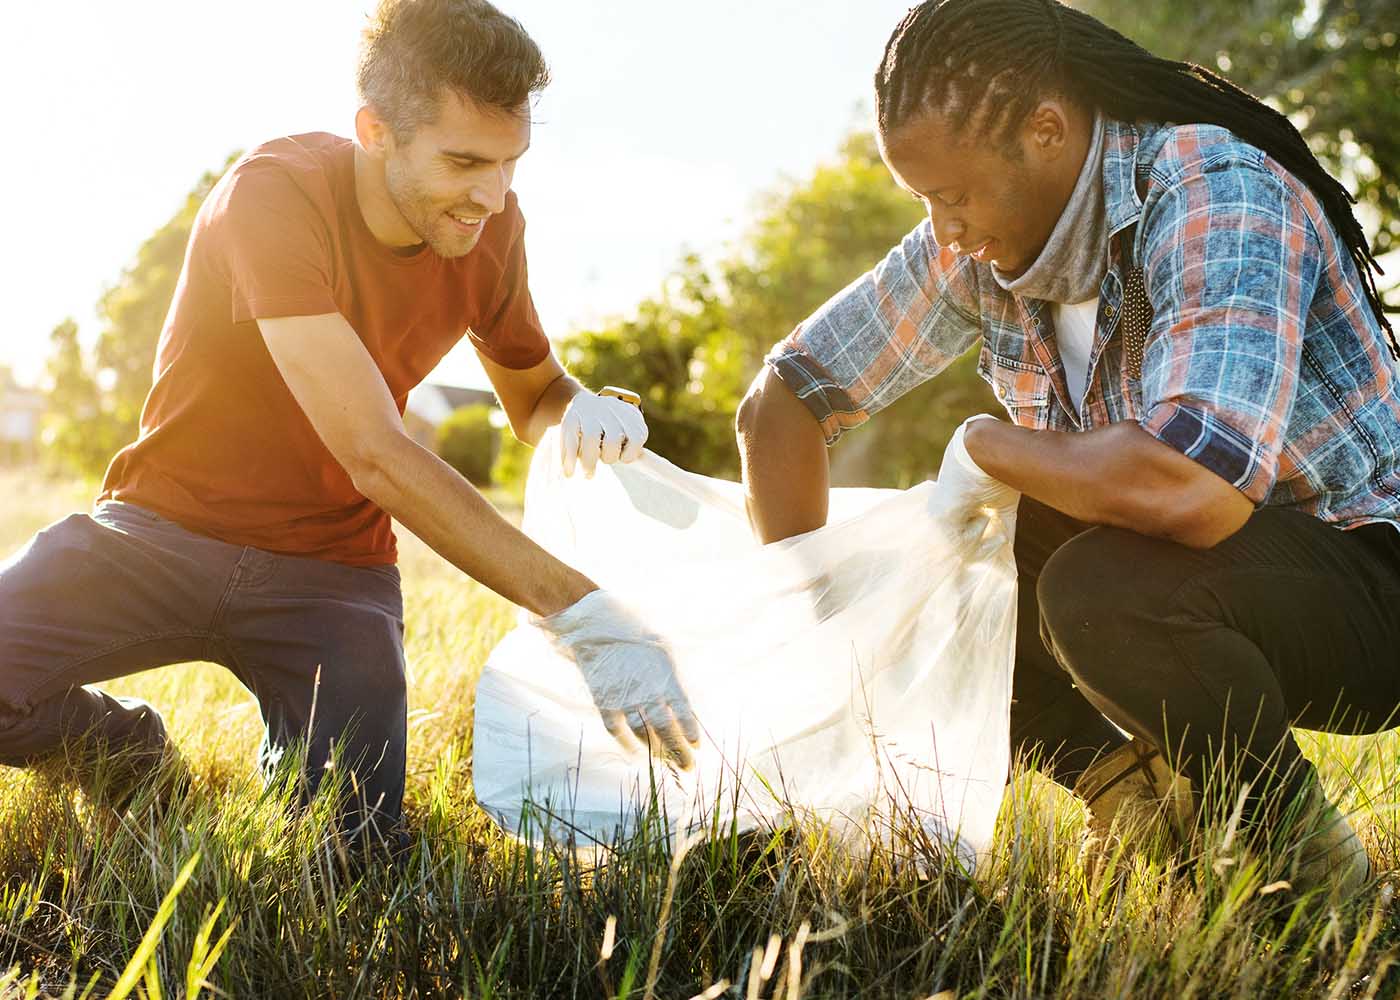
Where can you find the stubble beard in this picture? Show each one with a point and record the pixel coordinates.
(424, 217)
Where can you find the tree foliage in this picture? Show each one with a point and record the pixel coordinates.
(78, 434)
(692, 351)
(95, 397)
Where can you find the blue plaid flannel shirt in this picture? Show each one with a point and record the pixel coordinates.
(1263, 362)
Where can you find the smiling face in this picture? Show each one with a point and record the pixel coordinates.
(442, 183)
(995, 200)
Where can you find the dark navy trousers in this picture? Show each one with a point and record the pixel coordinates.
(319, 644)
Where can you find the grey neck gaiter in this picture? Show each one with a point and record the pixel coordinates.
(1075, 259)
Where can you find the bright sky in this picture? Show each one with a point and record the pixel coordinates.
(665, 119)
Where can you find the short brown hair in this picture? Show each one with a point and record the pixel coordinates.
(413, 50)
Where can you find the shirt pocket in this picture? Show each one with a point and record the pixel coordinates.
(1022, 387)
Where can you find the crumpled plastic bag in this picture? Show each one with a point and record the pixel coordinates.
(859, 671)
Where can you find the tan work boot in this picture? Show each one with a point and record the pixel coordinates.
(1135, 801)
(1329, 855)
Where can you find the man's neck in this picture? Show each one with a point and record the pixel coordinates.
(386, 224)
(1072, 263)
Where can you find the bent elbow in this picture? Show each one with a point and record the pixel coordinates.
(370, 464)
(770, 408)
(1206, 525)
(367, 476)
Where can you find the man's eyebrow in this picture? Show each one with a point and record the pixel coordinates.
(466, 154)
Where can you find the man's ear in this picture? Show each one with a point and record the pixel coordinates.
(1048, 128)
(371, 131)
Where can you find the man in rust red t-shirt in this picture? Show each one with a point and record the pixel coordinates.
(250, 523)
(226, 449)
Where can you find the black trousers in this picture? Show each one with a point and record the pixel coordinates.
(1209, 655)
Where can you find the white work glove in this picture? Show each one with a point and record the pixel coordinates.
(629, 673)
(971, 491)
(600, 427)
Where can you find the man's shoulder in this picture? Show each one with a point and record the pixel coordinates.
(1170, 152)
(310, 160)
(305, 170)
(307, 151)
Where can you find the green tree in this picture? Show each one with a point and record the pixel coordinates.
(78, 435)
(812, 240)
(468, 442)
(692, 350)
(680, 355)
(96, 399)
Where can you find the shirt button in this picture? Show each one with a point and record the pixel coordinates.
(1001, 391)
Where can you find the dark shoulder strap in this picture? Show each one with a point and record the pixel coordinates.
(1136, 318)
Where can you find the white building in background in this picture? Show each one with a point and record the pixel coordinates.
(21, 411)
(430, 403)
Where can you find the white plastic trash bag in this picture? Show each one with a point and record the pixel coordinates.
(855, 671)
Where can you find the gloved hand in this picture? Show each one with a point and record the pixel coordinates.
(603, 427)
(970, 490)
(629, 673)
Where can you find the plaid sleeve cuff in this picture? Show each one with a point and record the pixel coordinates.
(1209, 441)
(819, 392)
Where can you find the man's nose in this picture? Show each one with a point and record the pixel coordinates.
(490, 190)
(946, 229)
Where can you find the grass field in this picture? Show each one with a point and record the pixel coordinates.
(268, 909)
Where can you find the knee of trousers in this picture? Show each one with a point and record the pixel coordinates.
(1102, 594)
(369, 705)
(362, 675)
(64, 722)
(380, 692)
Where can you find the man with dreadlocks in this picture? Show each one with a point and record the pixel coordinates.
(1175, 304)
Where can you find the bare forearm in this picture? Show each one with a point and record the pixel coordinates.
(785, 465)
(549, 408)
(1118, 475)
(427, 497)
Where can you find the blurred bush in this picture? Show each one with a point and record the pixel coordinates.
(468, 442)
(512, 466)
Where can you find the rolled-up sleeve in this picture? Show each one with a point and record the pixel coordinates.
(891, 329)
(1231, 262)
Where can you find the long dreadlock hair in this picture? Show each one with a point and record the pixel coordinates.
(990, 62)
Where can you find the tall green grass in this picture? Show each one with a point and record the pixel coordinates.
(235, 894)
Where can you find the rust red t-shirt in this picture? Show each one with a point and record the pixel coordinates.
(224, 448)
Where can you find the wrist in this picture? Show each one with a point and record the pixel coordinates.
(563, 594)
